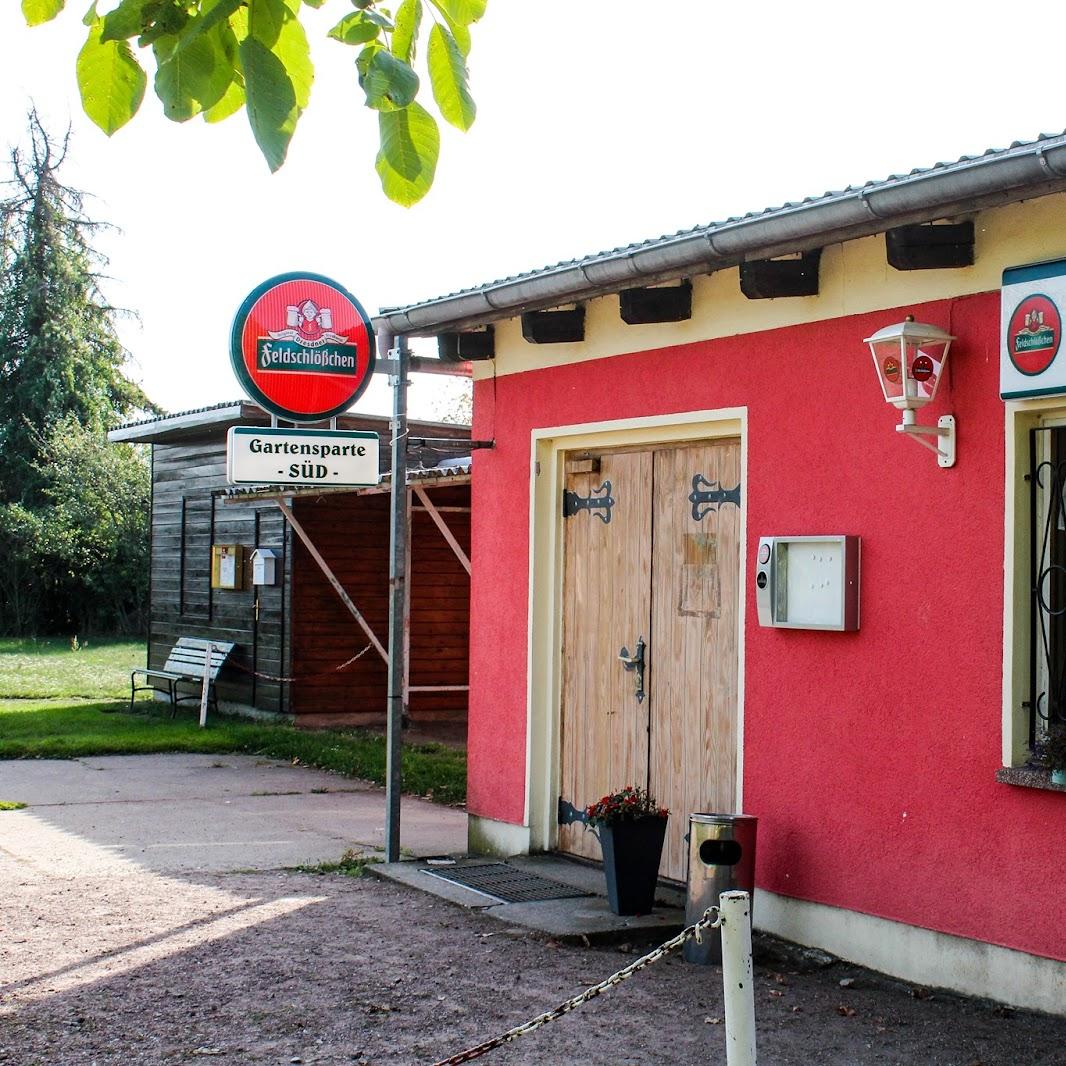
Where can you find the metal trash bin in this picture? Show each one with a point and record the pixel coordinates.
(721, 858)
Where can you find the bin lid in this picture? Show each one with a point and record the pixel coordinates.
(721, 819)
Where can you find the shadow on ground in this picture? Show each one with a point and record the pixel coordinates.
(116, 954)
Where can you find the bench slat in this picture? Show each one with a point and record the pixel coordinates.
(187, 657)
(200, 643)
(216, 660)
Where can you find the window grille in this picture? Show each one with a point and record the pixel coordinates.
(1047, 643)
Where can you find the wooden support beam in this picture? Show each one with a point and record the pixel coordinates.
(443, 527)
(440, 688)
(445, 510)
(286, 510)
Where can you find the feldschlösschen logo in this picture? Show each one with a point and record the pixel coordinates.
(307, 344)
(1034, 334)
(302, 347)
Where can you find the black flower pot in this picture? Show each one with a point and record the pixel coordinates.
(632, 849)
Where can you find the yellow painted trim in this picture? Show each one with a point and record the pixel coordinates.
(1019, 418)
(548, 448)
(855, 278)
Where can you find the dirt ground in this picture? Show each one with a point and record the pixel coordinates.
(131, 966)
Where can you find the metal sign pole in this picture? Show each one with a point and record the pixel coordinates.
(397, 580)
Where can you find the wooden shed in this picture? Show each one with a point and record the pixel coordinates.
(291, 636)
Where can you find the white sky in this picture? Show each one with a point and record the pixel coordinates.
(600, 122)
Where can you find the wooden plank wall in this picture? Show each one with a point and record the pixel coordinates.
(352, 533)
(187, 509)
(440, 608)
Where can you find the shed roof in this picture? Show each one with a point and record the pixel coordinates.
(218, 418)
(944, 190)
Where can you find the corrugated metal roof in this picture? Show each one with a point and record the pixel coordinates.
(181, 414)
(1036, 180)
(215, 417)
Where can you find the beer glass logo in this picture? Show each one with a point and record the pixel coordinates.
(308, 324)
(1034, 334)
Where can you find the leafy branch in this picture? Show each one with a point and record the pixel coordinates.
(214, 58)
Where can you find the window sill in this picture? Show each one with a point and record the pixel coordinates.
(1024, 777)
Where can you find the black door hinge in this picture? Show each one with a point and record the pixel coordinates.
(598, 500)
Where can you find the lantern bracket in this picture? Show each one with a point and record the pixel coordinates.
(944, 431)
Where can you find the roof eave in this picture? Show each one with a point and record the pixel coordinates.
(1025, 172)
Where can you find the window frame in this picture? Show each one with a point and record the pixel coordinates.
(1019, 649)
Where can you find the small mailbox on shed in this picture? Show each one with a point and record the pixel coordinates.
(264, 563)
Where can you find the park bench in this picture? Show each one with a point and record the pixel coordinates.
(184, 666)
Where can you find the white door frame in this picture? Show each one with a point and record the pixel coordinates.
(544, 672)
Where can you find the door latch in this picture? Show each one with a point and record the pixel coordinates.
(635, 662)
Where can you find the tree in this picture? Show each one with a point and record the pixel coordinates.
(59, 352)
(79, 562)
(457, 405)
(214, 58)
(61, 385)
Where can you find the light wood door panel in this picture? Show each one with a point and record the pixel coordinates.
(606, 605)
(693, 649)
(654, 571)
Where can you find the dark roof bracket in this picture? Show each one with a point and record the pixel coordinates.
(768, 279)
(468, 346)
(672, 303)
(554, 327)
(930, 246)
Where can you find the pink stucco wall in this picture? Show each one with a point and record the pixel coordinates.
(869, 757)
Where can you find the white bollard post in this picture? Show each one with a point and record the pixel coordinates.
(208, 652)
(738, 978)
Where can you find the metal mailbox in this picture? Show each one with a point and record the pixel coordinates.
(808, 582)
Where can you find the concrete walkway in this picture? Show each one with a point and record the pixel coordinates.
(170, 813)
(579, 919)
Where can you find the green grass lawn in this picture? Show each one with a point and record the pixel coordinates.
(46, 669)
(42, 717)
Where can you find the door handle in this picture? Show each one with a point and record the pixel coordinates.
(635, 662)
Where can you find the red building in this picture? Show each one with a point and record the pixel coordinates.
(659, 408)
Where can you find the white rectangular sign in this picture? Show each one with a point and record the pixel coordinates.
(301, 457)
(1032, 302)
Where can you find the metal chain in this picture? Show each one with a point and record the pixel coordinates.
(302, 677)
(711, 920)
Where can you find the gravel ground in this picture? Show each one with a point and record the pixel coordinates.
(283, 967)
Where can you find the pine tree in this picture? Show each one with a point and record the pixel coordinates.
(73, 530)
(59, 353)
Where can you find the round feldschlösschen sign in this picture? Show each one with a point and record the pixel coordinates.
(1034, 334)
(302, 347)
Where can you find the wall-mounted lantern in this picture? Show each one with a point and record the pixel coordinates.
(910, 358)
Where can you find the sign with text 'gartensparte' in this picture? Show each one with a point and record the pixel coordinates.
(344, 458)
(302, 347)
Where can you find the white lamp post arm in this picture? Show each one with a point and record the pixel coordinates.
(944, 431)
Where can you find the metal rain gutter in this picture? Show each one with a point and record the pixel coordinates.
(1024, 172)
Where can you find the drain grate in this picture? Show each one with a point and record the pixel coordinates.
(507, 883)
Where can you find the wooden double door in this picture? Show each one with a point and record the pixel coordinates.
(652, 566)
